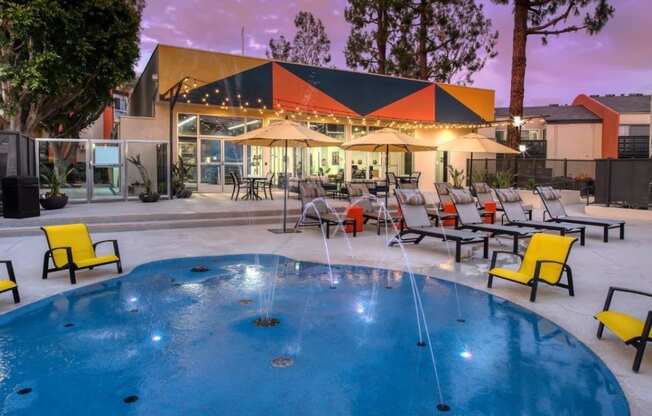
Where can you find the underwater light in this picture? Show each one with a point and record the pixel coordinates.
(466, 354)
(157, 338)
(133, 299)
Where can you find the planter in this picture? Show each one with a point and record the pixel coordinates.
(54, 201)
(153, 197)
(183, 193)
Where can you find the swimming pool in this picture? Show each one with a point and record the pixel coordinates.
(165, 340)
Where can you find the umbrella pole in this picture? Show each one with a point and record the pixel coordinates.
(285, 192)
(386, 174)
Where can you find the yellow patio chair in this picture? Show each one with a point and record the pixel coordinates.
(544, 261)
(72, 249)
(632, 331)
(10, 283)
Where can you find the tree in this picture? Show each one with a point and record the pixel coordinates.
(545, 18)
(443, 41)
(310, 45)
(59, 61)
(373, 24)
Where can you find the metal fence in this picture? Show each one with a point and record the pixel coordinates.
(527, 173)
(624, 182)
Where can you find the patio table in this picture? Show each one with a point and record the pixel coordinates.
(251, 186)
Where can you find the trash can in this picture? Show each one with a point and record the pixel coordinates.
(20, 197)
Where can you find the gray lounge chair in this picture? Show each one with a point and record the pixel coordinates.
(360, 195)
(319, 215)
(416, 221)
(469, 218)
(551, 199)
(483, 193)
(512, 205)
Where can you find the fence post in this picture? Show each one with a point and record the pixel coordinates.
(609, 181)
(516, 177)
(565, 168)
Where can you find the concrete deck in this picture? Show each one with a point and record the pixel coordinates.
(596, 267)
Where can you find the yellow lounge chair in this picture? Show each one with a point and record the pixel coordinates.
(544, 261)
(71, 249)
(9, 284)
(632, 331)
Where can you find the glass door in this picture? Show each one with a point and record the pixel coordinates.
(233, 161)
(106, 166)
(188, 153)
(210, 165)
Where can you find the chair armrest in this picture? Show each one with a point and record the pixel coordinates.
(495, 254)
(539, 263)
(10, 270)
(613, 289)
(116, 250)
(68, 253)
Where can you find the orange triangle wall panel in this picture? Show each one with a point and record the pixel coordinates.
(291, 92)
(418, 106)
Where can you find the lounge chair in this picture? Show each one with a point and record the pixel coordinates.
(360, 195)
(545, 261)
(483, 193)
(416, 221)
(513, 210)
(469, 218)
(237, 183)
(72, 249)
(631, 330)
(313, 193)
(10, 283)
(551, 199)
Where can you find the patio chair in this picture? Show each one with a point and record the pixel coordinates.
(551, 199)
(72, 249)
(483, 193)
(319, 213)
(416, 221)
(510, 199)
(237, 183)
(359, 194)
(545, 261)
(631, 330)
(10, 282)
(267, 185)
(469, 218)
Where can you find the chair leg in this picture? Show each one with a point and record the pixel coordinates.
(270, 193)
(71, 271)
(485, 251)
(490, 281)
(605, 236)
(582, 236)
(533, 294)
(233, 192)
(14, 291)
(640, 349)
(622, 231)
(569, 277)
(328, 230)
(45, 266)
(119, 264)
(458, 252)
(355, 228)
(515, 248)
(600, 330)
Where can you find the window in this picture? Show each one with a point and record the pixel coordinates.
(633, 141)
(501, 135)
(187, 124)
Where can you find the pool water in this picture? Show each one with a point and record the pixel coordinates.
(164, 340)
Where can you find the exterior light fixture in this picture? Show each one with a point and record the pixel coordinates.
(522, 148)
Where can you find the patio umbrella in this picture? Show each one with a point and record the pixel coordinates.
(475, 143)
(285, 133)
(387, 140)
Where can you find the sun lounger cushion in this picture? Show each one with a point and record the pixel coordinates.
(508, 195)
(461, 196)
(410, 197)
(549, 194)
(481, 188)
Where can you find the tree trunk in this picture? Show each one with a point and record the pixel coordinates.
(424, 22)
(518, 69)
(381, 39)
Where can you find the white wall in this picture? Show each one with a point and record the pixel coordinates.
(574, 141)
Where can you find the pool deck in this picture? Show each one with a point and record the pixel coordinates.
(596, 266)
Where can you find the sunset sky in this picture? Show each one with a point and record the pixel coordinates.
(618, 60)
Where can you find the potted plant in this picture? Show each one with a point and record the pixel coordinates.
(148, 195)
(503, 179)
(181, 173)
(456, 177)
(54, 198)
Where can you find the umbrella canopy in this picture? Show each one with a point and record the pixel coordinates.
(387, 140)
(286, 132)
(475, 143)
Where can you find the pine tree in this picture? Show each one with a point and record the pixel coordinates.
(545, 18)
(310, 44)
